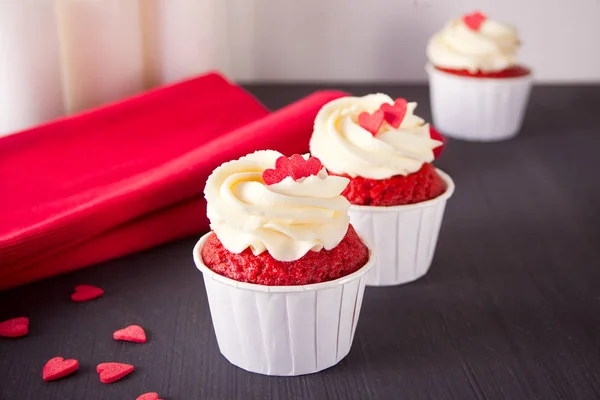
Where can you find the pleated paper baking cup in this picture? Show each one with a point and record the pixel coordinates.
(404, 237)
(284, 330)
(478, 109)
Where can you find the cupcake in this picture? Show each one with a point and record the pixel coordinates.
(284, 270)
(478, 89)
(398, 197)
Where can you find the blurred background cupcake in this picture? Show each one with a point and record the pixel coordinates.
(478, 89)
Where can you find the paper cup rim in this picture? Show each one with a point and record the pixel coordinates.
(209, 273)
(430, 68)
(407, 207)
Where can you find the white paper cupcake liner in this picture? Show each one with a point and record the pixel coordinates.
(478, 109)
(284, 330)
(404, 237)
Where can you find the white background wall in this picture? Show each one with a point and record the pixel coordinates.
(384, 40)
(65, 56)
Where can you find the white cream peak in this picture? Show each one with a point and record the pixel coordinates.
(288, 219)
(345, 147)
(491, 48)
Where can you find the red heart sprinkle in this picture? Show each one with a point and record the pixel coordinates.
(133, 333)
(86, 292)
(272, 176)
(394, 114)
(149, 396)
(111, 372)
(295, 166)
(15, 327)
(435, 135)
(371, 122)
(58, 367)
(302, 168)
(474, 20)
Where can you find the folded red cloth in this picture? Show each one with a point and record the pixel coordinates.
(175, 222)
(89, 188)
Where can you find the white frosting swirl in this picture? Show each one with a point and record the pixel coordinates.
(493, 47)
(287, 219)
(344, 147)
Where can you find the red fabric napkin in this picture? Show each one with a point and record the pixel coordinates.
(130, 175)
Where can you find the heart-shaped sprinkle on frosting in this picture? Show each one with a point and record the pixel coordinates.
(295, 166)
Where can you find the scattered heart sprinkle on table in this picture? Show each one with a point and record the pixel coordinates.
(111, 372)
(15, 327)
(86, 292)
(133, 333)
(58, 367)
(149, 396)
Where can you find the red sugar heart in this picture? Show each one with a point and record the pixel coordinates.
(371, 122)
(394, 114)
(312, 166)
(272, 176)
(86, 292)
(474, 20)
(58, 367)
(435, 135)
(15, 327)
(133, 333)
(295, 166)
(111, 372)
(149, 396)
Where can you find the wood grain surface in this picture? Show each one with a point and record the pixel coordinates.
(509, 310)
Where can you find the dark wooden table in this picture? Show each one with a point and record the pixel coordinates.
(509, 310)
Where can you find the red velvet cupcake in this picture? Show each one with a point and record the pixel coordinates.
(282, 256)
(479, 91)
(396, 194)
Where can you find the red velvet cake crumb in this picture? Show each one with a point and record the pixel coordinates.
(423, 185)
(316, 266)
(512, 72)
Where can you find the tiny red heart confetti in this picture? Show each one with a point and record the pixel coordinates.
(149, 396)
(371, 122)
(111, 372)
(474, 20)
(86, 292)
(394, 113)
(295, 166)
(15, 327)
(58, 367)
(435, 135)
(133, 333)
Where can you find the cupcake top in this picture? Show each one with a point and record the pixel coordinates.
(372, 136)
(474, 43)
(268, 202)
